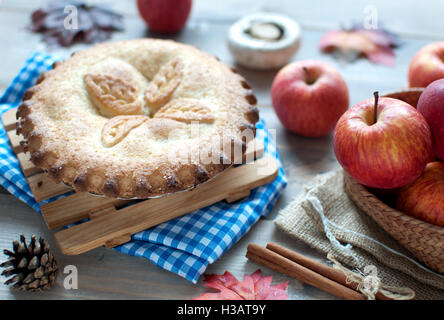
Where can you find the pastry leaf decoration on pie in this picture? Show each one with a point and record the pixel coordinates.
(117, 128)
(163, 85)
(186, 110)
(113, 96)
(120, 99)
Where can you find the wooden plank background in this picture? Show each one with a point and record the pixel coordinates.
(106, 274)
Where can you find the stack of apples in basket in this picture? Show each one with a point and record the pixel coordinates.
(385, 144)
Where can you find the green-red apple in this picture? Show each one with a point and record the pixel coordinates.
(427, 65)
(385, 149)
(309, 97)
(431, 105)
(424, 197)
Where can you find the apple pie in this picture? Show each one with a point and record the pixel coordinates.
(137, 118)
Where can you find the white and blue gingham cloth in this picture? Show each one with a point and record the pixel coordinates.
(185, 245)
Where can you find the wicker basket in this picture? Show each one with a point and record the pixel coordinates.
(424, 240)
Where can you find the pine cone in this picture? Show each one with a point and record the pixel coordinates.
(32, 266)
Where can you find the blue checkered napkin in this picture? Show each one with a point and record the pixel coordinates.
(186, 245)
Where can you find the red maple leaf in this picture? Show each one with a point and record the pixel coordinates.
(252, 287)
(376, 45)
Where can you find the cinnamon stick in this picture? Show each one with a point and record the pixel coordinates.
(274, 261)
(318, 267)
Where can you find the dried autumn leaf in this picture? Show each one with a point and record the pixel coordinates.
(347, 45)
(95, 23)
(252, 287)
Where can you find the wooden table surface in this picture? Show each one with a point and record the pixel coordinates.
(107, 274)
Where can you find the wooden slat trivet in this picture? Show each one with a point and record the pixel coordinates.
(113, 221)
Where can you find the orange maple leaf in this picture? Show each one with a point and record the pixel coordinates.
(252, 287)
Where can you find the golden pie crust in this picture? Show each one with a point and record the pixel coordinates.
(120, 118)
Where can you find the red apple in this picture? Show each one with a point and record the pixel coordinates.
(431, 105)
(427, 65)
(384, 148)
(165, 16)
(309, 97)
(424, 197)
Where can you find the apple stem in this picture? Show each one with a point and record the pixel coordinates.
(376, 95)
(308, 78)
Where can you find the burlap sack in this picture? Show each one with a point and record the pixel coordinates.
(325, 218)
